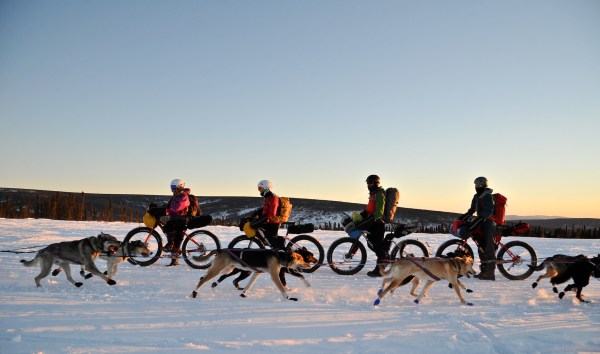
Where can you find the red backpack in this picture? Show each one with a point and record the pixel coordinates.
(499, 209)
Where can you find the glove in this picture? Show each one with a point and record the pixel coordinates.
(258, 223)
(349, 227)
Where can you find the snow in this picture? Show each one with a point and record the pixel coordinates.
(150, 310)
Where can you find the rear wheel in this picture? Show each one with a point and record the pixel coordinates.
(516, 260)
(151, 239)
(199, 243)
(244, 241)
(346, 256)
(409, 248)
(313, 246)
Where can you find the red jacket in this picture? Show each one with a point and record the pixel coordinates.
(270, 207)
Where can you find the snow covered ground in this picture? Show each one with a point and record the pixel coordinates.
(150, 309)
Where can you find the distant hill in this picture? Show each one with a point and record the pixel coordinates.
(228, 210)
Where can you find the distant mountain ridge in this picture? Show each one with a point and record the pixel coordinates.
(319, 212)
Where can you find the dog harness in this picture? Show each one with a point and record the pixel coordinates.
(239, 259)
(423, 268)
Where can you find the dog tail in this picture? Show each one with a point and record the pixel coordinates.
(205, 257)
(32, 262)
(539, 266)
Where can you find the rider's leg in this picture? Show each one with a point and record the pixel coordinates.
(487, 253)
(377, 231)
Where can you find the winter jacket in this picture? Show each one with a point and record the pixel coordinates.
(270, 206)
(376, 204)
(178, 204)
(483, 204)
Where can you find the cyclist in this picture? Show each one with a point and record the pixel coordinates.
(265, 217)
(372, 221)
(177, 210)
(483, 204)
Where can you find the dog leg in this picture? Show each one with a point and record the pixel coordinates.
(394, 283)
(457, 287)
(91, 267)
(56, 272)
(215, 269)
(45, 269)
(243, 275)
(67, 268)
(255, 276)
(426, 288)
(274, 272)
(415, 283)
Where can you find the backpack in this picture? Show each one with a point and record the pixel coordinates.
(194, 208)
(499, 209)
(392, 196)
(283, 210)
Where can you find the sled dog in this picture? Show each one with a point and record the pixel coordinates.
(257, 261)
(307, 256)
(82, 252)
(124, 252)
(430, 269)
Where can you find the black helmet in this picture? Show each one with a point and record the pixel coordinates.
(373, 179)
(481, 181)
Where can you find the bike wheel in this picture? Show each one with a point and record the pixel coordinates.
(409, 248)
(199, 243)
(516, 260)
(313, 246)
(454, 248)
(244, 241)
(346, 256)
(151, 238)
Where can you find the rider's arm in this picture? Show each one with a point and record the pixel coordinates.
(379, 205)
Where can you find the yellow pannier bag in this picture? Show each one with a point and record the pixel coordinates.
(149, 220)
(248, 230)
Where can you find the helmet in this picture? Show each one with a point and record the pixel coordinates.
(481, 181)
(373, 179)
(264, 186)
(177, 183)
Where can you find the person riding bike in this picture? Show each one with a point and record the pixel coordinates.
(483, 204)
(372, 221)
(177, 210)
(264, 217)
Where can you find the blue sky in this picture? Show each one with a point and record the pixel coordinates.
(123, 96)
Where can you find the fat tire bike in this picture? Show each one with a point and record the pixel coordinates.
(516, 260)
(196, 243)
(259, 241)
(348, 255)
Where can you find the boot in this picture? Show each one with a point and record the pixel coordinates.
(486, 273)
(375, 272)
(168, 247)
(174, 258)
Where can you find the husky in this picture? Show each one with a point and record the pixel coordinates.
(256, 260)
(82, 252)
(432, 269)
(124, 252)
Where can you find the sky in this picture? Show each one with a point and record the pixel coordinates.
(124, 96)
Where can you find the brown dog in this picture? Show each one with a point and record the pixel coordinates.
(431, 269)
(256, 260)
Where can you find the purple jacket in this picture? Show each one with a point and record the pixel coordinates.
(178, 204)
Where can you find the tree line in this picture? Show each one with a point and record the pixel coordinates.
(66, 206)
(75, 207)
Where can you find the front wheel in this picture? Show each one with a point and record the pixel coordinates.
(454, 248)
(151, 239)
(313, 246)
(244, 241)
(516, 260)
(346, 256)
(199, 243)
(409, 248)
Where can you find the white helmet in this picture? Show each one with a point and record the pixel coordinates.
(264, 186)
(177, 183)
